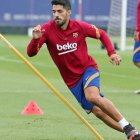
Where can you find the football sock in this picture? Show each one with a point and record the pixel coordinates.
(123, 122)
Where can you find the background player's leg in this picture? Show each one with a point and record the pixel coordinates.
(136, 54)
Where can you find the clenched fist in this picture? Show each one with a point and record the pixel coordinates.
(37, 32)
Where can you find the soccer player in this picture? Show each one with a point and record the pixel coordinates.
(136, 51)
(66, 42)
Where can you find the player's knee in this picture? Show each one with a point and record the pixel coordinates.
(96, 100)
(98, 113)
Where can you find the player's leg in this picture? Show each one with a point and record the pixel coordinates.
(136, 54)
(92, 94)
(137, 64)
(78, 92)
(106, 119)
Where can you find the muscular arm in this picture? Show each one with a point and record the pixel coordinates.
(33, 47)
(104, 38)
(37, 41)
(94, 32)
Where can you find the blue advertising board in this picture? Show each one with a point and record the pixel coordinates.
(28, 13)
(24, 13)
(33, 12)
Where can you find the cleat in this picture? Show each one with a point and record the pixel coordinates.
(137, 91)
(135, 137)
(131, 132)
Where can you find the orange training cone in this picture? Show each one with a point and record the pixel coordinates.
(32, 108)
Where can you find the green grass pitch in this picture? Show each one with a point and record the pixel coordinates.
(19, 85)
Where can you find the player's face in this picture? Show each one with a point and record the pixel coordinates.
(61, 15)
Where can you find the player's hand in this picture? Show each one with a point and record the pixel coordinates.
(137, 36)
(115, 59)
(37, 32)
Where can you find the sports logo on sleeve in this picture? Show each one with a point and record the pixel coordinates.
(66, 48)
(97, 31)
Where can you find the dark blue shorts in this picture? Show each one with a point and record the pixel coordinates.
(136, 52)
(91, 77)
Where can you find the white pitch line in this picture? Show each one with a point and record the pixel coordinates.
(29, 91)
(63, 90)
(117, 90)
(3, 58)
(121, 75)
(24, 90)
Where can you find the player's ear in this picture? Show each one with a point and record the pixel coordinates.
(69, 12)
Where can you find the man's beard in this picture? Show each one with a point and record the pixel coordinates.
(59, 23)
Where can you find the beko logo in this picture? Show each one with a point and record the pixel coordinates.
(66, 48)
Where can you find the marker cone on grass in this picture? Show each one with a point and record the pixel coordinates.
(32, 108)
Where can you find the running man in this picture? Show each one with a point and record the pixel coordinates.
(136, 51)
(66, 42)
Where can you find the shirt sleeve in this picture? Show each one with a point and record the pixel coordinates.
(138, 17)
(97, 33)
(35, 45)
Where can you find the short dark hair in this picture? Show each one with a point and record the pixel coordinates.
(65, 3)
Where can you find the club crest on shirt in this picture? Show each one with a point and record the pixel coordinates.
(75, 35)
